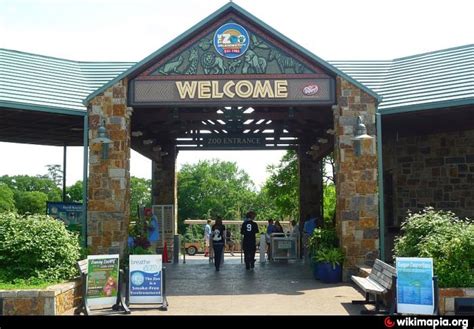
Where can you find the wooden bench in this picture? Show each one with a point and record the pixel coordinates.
(379, 283)
(120, 305)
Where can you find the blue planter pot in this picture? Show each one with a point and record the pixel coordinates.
(315, 270)
(328, 274)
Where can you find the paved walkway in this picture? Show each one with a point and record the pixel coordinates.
(277, 288)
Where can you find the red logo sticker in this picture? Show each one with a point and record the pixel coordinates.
(388, 322)
(310, 90)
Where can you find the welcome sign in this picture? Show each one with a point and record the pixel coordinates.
(197, 92)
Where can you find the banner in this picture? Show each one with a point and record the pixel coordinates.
(68, 212)
(415, 292)
(145, 279)
(102, 279)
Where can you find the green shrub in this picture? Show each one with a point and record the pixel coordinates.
(335, 256)
(322, 238)
(36, 247)
(443, 237)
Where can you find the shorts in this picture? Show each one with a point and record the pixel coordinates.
(206, 242)
(230, 243)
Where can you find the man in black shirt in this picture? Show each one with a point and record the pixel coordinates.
(248, 230)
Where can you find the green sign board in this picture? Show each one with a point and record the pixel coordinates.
(102, 279)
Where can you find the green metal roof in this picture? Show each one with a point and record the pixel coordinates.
(431, 80)
(42, 83)
(426, 81)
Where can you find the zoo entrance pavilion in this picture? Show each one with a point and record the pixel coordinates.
(233, 82)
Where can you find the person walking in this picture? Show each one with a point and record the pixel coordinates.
(207, 236)
(249, 229)
(218, 241)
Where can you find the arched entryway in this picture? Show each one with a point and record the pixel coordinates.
(233, 82)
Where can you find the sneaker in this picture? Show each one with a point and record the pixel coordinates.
(232, 254)
(217, 270)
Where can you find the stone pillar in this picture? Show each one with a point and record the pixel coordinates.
(356, 183)
(164, 189)
(311, 184)
(108, 208)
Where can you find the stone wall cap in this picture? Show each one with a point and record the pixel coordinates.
(8, 293)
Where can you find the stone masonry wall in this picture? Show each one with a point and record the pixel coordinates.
(310, 176)
(53, 300)
(356, 181)
(109, 179)
(164, 190)
(432, 170)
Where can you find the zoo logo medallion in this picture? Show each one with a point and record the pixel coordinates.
(231, 40)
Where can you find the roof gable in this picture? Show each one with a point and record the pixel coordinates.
(168, 60)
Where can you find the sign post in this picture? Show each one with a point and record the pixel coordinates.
(415, 288)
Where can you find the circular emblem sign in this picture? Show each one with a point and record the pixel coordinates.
(231, 40)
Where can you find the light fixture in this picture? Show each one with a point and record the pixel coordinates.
(104, 140)
(360, 134)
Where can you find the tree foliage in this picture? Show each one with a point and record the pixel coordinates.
(7, 202)
(211, 188)
(25, 183)
(283, 185)
(55, 173)
(31, 202)
(74, 192)
(140, 194)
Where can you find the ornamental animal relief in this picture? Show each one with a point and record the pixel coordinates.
(218, 89)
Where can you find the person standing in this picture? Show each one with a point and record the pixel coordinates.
(207, 236)
(249, 229)
(153, 233)
(218, 241)
(229, 242)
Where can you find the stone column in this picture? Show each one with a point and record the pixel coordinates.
(109, 179)
(311, 184)
(356, 185)
(164, 188)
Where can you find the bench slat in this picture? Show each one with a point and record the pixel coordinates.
(368, 285)
(379, 280)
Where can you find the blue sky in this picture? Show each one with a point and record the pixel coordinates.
(119, 30)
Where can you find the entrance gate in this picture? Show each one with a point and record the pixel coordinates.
(232, 82)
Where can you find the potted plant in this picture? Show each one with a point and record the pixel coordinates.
(320, 239)
(329, 264)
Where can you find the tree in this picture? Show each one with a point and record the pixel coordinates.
(33, 202)
(24, 183)
(140, 194)
(283, 185)
(7, 202)
(74, 192)
(55, 174)
(211, 188)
